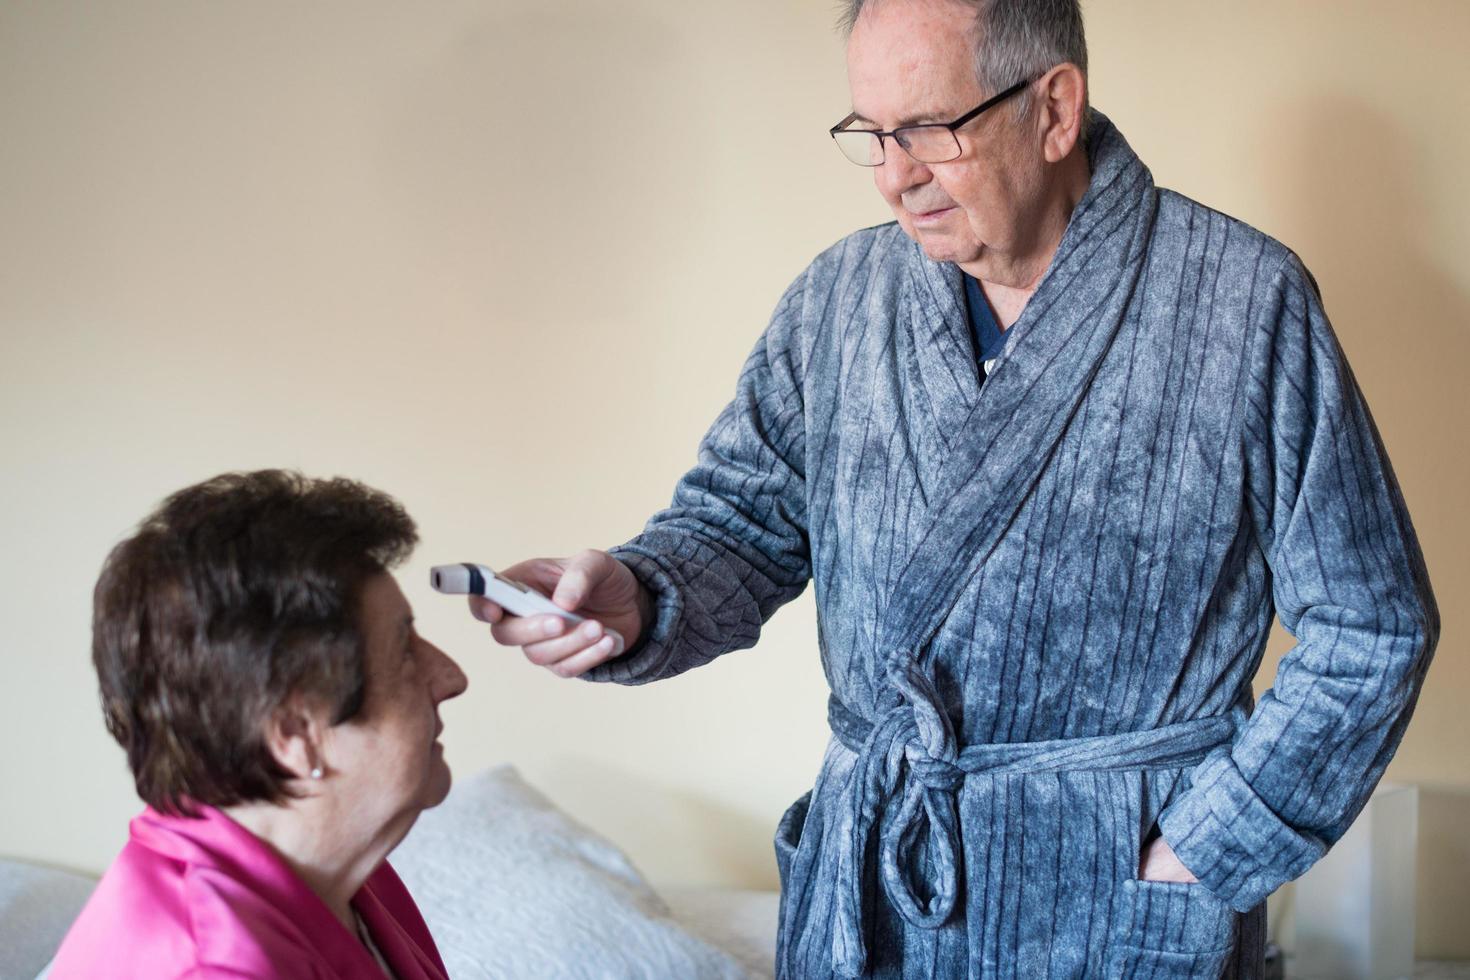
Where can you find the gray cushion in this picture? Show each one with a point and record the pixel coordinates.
(512, 887)
(37, 906)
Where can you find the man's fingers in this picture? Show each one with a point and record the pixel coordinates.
(484, 610)
(550, 652)
(519, 631)
(1159, 863)
(595, 655)
(567, 649)
(583, 571)
(572, 589)
(540, 574)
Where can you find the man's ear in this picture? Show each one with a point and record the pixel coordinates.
(294, 734)
(1061, 100)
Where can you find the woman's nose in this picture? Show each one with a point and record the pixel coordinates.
(448, 680)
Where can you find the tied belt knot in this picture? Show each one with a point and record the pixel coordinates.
(909, 756)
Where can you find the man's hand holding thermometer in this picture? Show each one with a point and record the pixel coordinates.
(595, 603)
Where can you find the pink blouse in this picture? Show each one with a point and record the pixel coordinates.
(205, 898)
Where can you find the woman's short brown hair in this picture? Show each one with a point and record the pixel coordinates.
(236, 593)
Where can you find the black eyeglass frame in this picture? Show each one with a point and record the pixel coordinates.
(893, 134)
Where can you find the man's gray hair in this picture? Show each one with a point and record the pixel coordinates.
(1016, 40)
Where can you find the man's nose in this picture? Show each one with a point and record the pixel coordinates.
(899, 172)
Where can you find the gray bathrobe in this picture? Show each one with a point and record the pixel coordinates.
(1041, 598)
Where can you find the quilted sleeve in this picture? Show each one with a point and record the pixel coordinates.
(1349, 583)
(733, 546)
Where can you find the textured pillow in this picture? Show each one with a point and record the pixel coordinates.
(511, 887)
(738, 920)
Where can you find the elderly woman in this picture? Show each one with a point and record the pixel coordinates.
(280, 715)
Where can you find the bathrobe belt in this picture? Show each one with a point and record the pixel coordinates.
(917, 736)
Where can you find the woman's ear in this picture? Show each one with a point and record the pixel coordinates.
(295, 734)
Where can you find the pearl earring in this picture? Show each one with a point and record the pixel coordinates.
(316, 772)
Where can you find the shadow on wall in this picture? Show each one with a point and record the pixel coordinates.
(1443, 874)
(1442, 885)
(1354, 203)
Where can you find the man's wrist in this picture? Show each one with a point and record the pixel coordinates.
(647, 612)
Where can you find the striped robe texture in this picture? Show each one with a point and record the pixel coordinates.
(1041, 600)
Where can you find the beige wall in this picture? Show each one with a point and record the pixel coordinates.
(503, 259)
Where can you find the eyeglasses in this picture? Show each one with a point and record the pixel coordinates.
(927, 143)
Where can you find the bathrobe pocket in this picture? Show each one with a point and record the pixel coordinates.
(788, 837)
(1171, 931)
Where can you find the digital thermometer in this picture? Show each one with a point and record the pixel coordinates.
(514, 597)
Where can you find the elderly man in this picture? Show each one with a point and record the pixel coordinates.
(1053, 447)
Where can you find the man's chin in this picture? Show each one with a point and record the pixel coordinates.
(943, 242)
(945, 248)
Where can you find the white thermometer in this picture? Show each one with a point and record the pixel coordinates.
(514, 597)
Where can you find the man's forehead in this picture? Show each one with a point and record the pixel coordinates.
(908, 98)
(889, 120)
(906, 64)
